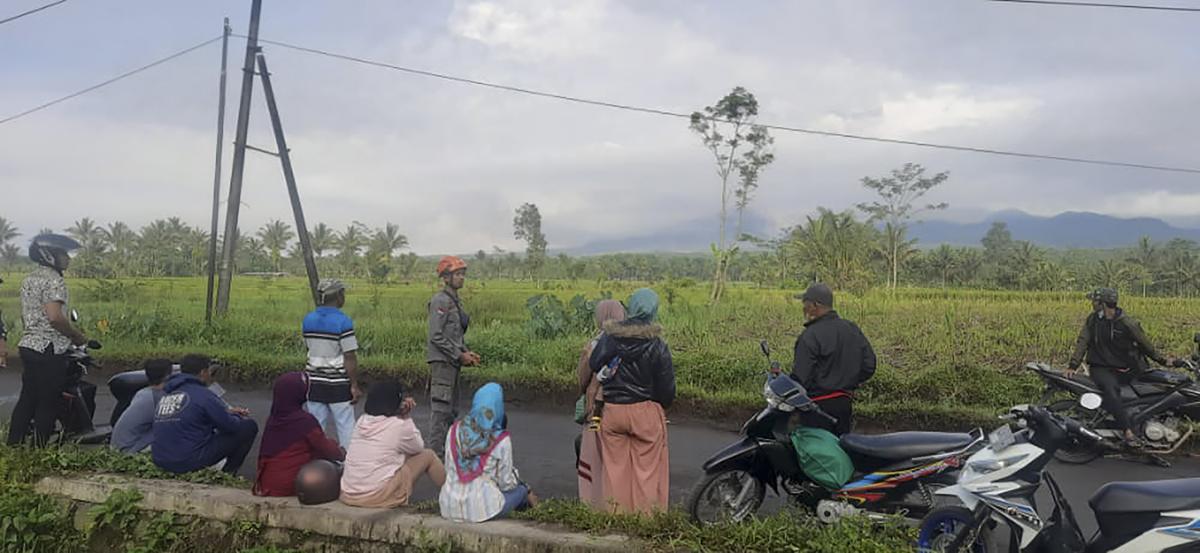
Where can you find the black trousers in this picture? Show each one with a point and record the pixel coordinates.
(838, 407)
(41, 396)
(1110, 380)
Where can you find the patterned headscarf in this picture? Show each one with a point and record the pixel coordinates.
(478, 431)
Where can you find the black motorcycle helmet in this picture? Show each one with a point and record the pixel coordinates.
(318, 482)
(1107, 296)
(50, 250)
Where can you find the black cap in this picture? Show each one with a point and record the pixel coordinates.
(818, 293)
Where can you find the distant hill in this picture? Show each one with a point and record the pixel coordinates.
(1066, 230)
(695, 235)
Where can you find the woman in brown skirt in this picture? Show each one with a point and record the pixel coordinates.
(633, 364)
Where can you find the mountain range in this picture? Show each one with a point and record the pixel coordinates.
(1065, 230)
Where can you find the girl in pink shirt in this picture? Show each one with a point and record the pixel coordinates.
(387, 453)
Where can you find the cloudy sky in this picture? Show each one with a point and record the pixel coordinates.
(450, 162)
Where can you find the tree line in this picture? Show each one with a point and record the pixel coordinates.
(842, 248)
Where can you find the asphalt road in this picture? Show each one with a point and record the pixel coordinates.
(543, 443)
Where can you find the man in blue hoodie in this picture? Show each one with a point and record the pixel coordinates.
(194, 429)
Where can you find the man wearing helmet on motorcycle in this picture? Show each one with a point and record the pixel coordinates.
(447, 350)
(1116, 349)
(48, 334)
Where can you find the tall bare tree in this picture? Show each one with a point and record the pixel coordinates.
(741, 149)
(895, 209)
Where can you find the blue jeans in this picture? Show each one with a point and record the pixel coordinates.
(342, 415)
(516, 499)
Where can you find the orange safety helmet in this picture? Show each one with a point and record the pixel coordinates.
(450, 264)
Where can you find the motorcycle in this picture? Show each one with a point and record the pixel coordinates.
(893, 473)
(999, 483)
(1161, 406)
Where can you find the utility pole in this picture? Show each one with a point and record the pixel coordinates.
(239, 161)
(212, 238)
(310, 265)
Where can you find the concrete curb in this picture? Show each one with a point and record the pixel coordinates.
(388, 526)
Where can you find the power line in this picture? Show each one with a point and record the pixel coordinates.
(1102, 5)
(656, 111)
(31, 12)
(108, 82)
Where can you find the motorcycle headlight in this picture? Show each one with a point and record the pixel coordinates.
(992, 465)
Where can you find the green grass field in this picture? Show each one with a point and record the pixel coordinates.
(948, 358)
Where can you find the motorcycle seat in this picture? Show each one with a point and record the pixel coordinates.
(1135, 390)
(1156, 496)
(903, 445)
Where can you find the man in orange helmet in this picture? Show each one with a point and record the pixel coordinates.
(447, 350)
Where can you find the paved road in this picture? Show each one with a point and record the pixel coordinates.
(544, 449)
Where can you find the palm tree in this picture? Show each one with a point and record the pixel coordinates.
(348, 243)
(7, 231)
(121, 241)
(1145, 255)
(10, 253)
(321, 239)
(943, 260)
(275, 236)
(91, 239)
(387, 240)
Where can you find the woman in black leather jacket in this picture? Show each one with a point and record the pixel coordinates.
(634, 367)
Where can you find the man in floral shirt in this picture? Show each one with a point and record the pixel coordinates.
(48, 335)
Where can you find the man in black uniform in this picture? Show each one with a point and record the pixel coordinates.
(833, 358)
(1116, 348)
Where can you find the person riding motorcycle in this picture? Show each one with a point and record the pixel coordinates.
(48, 335)
(1116, 348)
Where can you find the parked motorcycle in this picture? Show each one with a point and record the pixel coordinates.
(1161, 404)
(999, 483)
(894, 473)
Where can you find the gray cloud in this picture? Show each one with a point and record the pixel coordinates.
(450, 162)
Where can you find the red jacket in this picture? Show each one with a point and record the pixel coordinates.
(277, 474)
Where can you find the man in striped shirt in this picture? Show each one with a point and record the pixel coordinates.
(332, 361)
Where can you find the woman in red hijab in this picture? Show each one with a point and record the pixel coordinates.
(291, 439)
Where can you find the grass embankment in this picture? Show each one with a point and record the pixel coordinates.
(948, 358)
(30, 522)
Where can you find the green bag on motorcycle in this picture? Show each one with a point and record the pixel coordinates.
(822, 458)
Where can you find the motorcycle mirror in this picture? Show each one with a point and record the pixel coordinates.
(766, 348)
(74, 316)
(1090, 401)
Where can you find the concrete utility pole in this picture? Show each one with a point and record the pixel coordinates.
(253, 53)
(234, 200)
(216, 209)
(310, 265)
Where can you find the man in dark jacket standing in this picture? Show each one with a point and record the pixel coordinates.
(447, 350)
(1116, 348)
(195, 429)
(833, 358)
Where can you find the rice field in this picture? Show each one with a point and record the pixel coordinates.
(947, 357)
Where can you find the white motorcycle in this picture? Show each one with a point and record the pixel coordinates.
(999, 482)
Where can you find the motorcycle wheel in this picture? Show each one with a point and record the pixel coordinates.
(939, 528)
(725, 496)
(1075, 452)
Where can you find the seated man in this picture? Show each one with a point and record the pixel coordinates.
(135, 429)
(194, 428)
